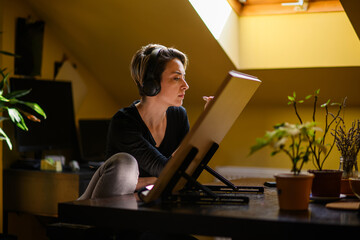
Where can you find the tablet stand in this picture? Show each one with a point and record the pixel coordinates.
(196, 192)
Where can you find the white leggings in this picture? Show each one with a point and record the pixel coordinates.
(118, 175)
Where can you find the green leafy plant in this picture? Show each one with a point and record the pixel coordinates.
(291, 139)
(318, 154)
(9, 102)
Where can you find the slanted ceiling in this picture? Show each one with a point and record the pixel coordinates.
(352, 9)
(103, 36)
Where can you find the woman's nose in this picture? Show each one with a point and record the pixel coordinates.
(185, 85)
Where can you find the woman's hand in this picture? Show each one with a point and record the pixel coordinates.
(144, 181)
(207, 99)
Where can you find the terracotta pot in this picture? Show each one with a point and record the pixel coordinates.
(326, 183)
(294, 190)
(345, 187)
(355, 186)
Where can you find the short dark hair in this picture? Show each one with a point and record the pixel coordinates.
(138, 66)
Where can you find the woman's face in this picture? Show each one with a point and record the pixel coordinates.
(173, 84)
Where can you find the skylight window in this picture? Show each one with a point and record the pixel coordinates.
(214, 13)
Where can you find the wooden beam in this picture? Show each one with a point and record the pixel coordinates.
(236, 6)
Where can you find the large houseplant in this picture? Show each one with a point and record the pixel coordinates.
(10, 100)
(326, 182)
(294, 141)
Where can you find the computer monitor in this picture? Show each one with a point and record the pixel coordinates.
(58, 130)
(204, 137)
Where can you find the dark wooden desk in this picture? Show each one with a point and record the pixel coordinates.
(260, 218)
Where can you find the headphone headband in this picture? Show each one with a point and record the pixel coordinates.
(151, 64)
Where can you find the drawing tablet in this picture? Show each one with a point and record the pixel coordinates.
(211, 127)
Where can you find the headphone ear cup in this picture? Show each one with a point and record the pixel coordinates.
(151, 87)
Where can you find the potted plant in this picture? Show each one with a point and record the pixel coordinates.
(326, 182)
(9, 102)
(294, 141)
(348, 144)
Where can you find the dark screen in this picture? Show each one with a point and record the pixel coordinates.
(58, 130)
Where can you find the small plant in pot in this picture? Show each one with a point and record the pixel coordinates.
(326, 182)
(348, 144)
(293, 140)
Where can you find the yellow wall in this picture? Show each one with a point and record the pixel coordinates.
(300, 52)
(229, 38)
(291, 41)
(298, 40)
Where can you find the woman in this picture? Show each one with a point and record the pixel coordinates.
(143, 136)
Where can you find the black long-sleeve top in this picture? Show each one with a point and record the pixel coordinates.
(128, 133)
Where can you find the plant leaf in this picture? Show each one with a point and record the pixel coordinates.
(17, 118)
(291, 98)
(308, 97)
(8, 53)
(274, 153)
(4, 80)
(325, 104)
(3, 99)
(36, 108)
(17, 94)
(6, 138)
